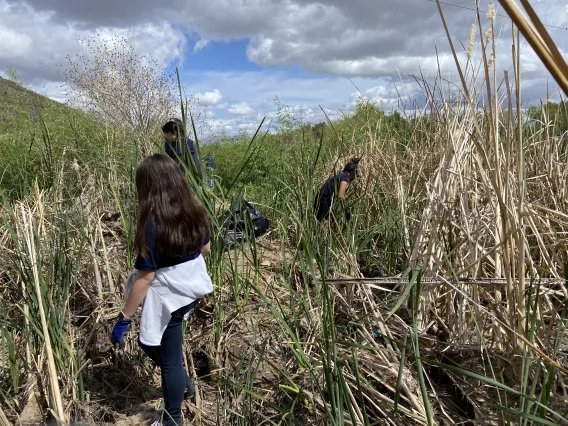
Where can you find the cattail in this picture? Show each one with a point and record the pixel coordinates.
(471, 43)
(488, 35)
(491, 14)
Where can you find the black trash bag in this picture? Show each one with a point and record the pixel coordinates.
(242, 222)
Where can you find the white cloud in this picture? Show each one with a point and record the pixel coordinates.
(241, 108)
(360, 38)
(14, 44)
(302, 97)
(201, 44)
(209, 98)
(53, 90)
(377, 45)
(36, 44)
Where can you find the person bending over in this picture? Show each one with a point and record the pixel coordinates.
(334, 189)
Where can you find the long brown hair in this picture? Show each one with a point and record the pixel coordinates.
(182, 223)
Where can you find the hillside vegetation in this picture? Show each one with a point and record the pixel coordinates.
(18, 103)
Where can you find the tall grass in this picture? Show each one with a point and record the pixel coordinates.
(462, 210)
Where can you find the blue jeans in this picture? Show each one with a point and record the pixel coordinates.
(322, 208)
(169, 357)
(210, 177)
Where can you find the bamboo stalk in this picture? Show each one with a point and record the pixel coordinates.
(403, 214)
(26, 331)
(558, 58)
(556, 69)
(26, 320)
(98, 280)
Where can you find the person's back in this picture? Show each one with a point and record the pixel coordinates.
(330, 187)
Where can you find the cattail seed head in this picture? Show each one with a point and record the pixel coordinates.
(471, 43)
(491, 14)
(488, 35)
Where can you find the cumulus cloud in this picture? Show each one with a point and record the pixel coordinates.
(201, 44)
(241, 108)
(326, 36)
(37, 44)
(209, 98)
(375, 43)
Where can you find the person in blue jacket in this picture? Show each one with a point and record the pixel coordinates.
(334, 189)
(170, 274)
(179, 147)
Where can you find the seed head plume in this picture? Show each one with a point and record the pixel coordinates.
(491, 61)
(471, 43)
(491, 14)
(488, 35)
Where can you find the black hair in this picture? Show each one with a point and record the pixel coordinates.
(352, 166)
(181, 221)
(175, 126)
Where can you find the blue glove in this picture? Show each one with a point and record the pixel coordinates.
(119, 330)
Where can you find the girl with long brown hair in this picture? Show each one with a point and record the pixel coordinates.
(172, 236)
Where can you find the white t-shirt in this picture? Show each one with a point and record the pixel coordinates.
(172, 288)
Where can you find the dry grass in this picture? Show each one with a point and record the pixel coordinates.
(293, 334)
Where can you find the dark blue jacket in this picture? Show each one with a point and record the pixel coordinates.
(183, 153)
(331, 186)
(155, 259)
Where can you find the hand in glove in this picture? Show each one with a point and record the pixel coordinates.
(119, 330)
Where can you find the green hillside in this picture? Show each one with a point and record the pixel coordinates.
(18, 103)
(38, 135)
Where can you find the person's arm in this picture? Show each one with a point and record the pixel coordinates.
(135, 298)
(138, 292)
(146, 267)
(343, 185)
(206, 246)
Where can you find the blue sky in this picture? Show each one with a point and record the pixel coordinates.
(236, 56)
(219, 56)
(224, 65)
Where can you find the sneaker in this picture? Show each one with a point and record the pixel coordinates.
(156, 423)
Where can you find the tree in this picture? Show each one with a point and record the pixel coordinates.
(127, 89)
